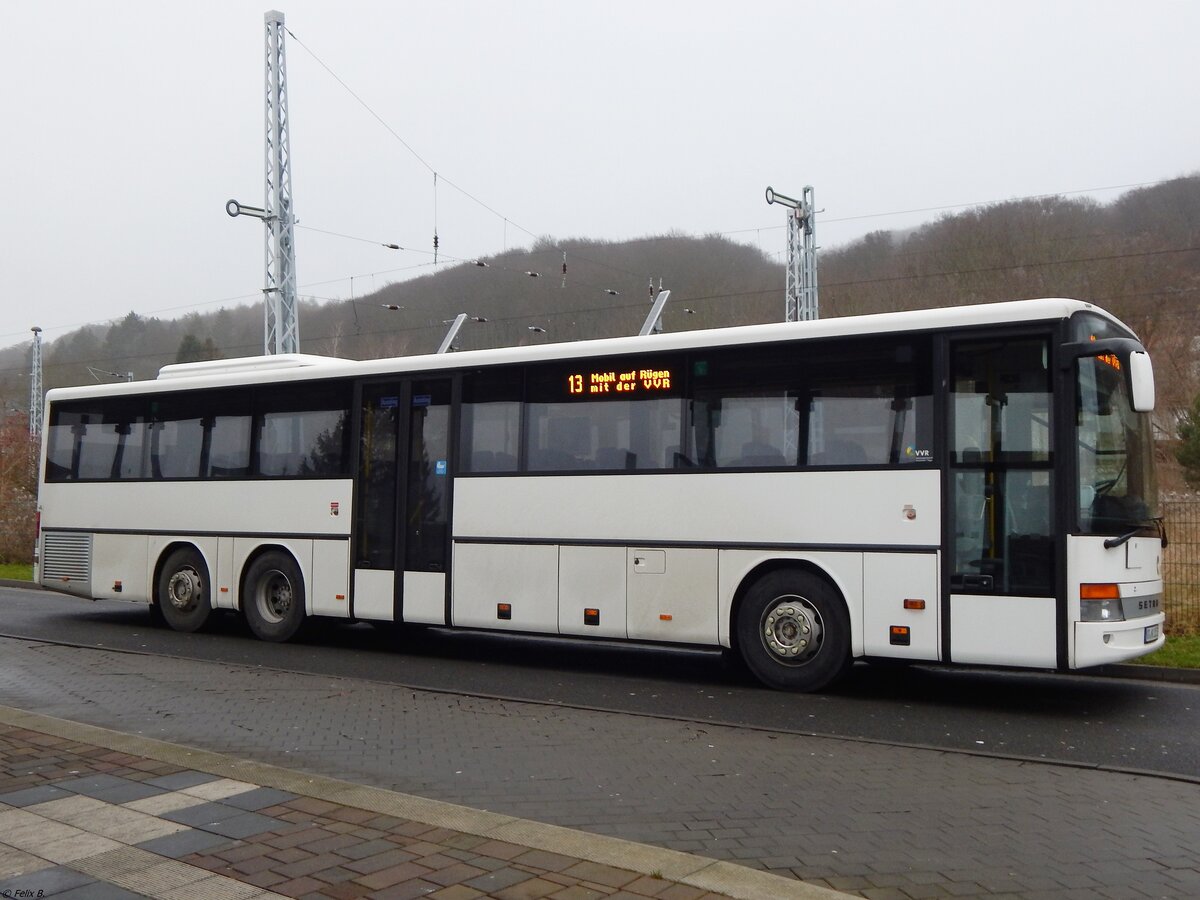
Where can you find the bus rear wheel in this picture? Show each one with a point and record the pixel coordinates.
(273, 601)
(793, 631)
(183, 597)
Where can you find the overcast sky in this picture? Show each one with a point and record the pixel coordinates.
(127, 125)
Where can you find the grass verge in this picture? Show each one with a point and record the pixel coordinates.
(17, 571)
(1179, 652)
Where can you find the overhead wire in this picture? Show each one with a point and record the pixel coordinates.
(424, 162)
(433, 323)
(417, 156)
(857, 282)
(984, 203)
(648, 239)
(507, 220)
(429, 324)
(458, 259)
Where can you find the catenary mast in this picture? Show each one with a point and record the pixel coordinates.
(281, 325)
(35, 385)
(800, 298)
(282, 333)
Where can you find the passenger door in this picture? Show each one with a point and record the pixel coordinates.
(425, 533)
(1000, 502)
(402, 507)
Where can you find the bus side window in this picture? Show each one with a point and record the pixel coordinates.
(175, 448)
(228, 440)
(177, 438)
(303, 433)
(130, 459)
(743, 411)
(490, 429)
(604, 416)
(871, 405)
(199, 434)
(62, 444)
(102, 441)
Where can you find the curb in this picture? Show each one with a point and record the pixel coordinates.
(705, 874)
(1148, 673)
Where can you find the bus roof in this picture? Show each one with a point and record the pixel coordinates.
(304, 367)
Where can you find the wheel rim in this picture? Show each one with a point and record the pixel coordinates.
(792, 630)
(184, 589)
(274, 597)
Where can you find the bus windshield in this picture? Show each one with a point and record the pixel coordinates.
(1117, 492)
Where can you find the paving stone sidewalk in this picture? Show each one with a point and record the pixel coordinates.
(884, 822)
(83, 817)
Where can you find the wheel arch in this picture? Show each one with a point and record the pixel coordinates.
(165, 553)
(262, 550)
(776, 564)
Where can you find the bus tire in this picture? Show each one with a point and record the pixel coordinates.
(273, 598)
(793, 631)
(183, 596)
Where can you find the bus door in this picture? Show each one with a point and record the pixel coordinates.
(402, 525)
(1000, 503)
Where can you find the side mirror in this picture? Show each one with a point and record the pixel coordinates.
(1141, 381)
(1135, 364)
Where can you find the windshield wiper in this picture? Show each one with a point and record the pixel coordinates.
(1156, 523)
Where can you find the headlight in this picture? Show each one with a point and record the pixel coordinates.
(1101, 611)
(1100, 603)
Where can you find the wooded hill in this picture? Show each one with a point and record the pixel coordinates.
(1138, 256)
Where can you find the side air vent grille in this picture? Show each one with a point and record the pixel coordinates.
(66, 557)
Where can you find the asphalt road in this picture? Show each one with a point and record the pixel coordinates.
(1083, 720)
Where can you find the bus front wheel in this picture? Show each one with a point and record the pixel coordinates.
(273, 601)
(183, 591)
(794, 631)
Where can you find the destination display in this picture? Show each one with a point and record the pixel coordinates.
(610, 381)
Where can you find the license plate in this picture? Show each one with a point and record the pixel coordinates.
(1151, 634)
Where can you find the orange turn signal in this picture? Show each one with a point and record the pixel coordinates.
(1099, 592)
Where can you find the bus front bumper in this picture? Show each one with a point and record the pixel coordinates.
(1100, 643)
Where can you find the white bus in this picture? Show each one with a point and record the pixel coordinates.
(971, 485)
